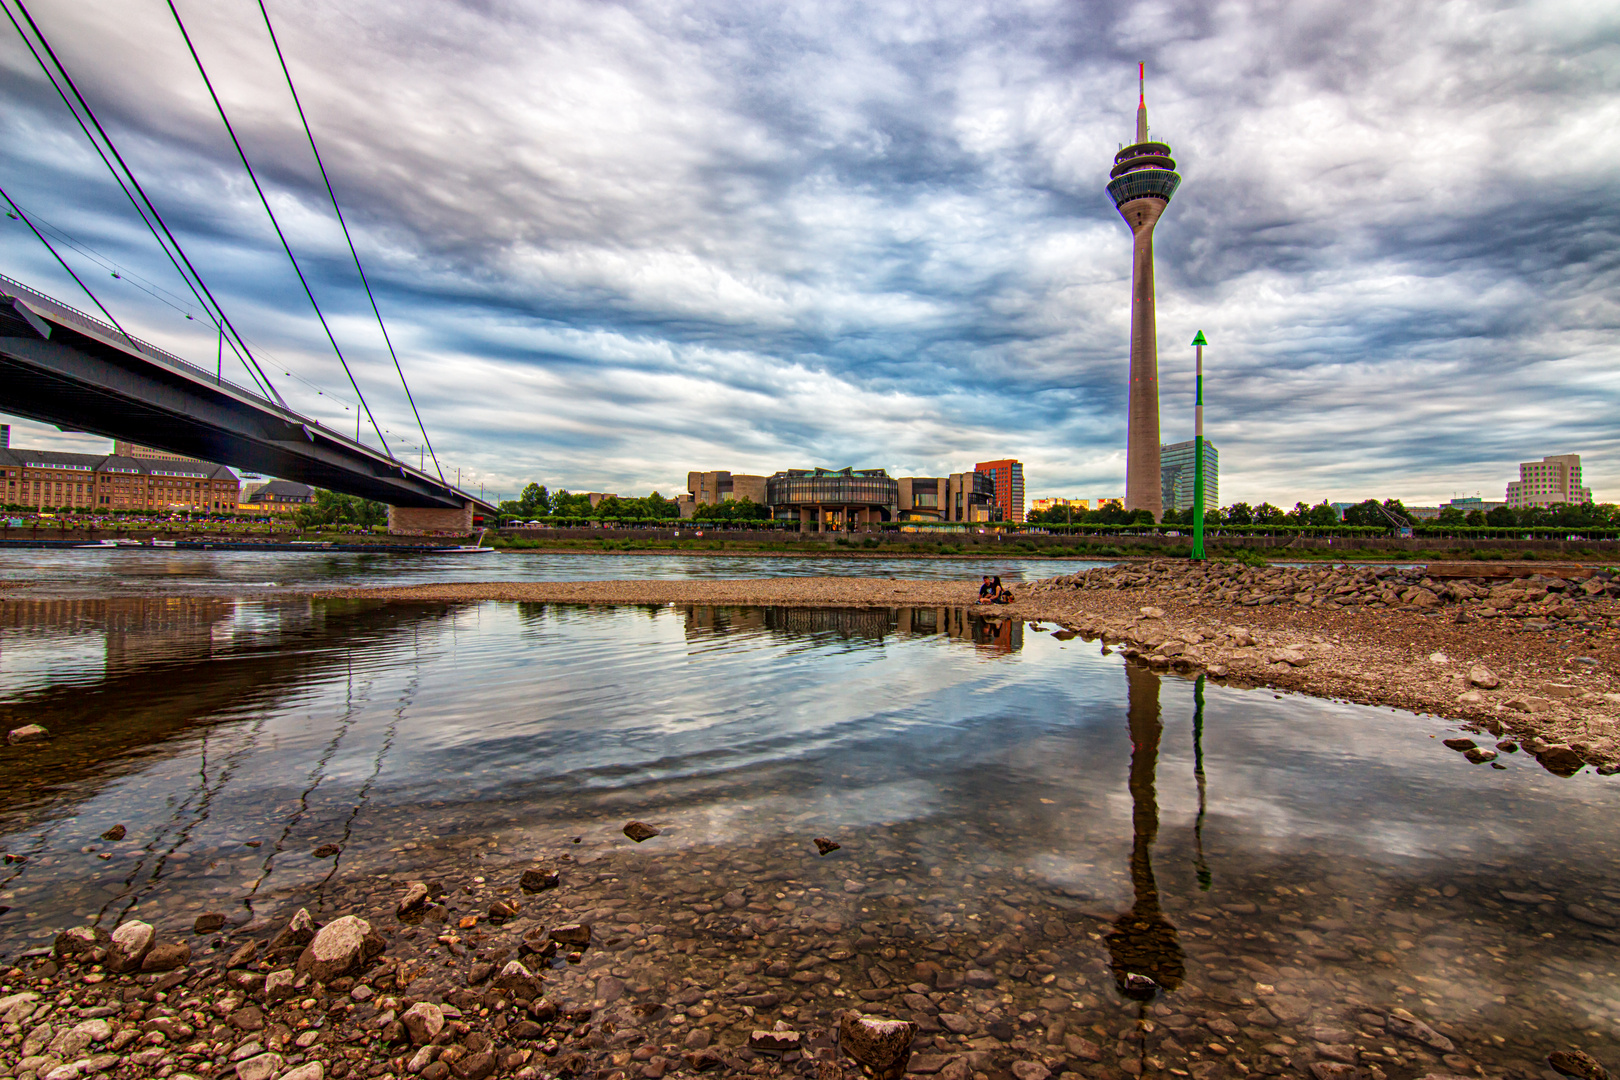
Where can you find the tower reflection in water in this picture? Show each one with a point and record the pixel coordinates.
(1143, 943)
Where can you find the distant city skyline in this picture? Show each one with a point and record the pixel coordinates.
(612, 240)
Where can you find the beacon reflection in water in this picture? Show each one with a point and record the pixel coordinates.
(989, 634)
(1143, 943)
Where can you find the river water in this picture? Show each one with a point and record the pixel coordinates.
(1008, 800)
(178, 572)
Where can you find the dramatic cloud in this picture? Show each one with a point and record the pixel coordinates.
(618, 241)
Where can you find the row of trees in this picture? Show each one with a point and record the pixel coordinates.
(330, 508)
(1367, 513)
(536, 503)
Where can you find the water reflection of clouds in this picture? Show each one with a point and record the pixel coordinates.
(1359, 780)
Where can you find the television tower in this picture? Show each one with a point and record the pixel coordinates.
(1141, 183)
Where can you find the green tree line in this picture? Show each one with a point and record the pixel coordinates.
(1365, 513)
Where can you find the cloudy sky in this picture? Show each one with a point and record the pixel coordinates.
(615, 242)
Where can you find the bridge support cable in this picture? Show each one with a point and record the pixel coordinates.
(338, 210)
(194, 281)
(219, 106)
(25, 220)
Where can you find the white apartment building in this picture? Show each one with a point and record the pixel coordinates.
(1548, 482)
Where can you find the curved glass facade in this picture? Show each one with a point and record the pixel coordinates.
(826, 487)
(1144, 183)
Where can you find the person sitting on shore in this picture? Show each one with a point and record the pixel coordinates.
(987, 591)
(1001, 595)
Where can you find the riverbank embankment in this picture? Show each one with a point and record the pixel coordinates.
(1532, 660)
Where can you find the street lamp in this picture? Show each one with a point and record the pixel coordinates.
(1198, 453)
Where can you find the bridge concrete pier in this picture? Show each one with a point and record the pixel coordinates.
(430, 521)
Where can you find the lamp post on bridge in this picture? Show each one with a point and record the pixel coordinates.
(1198, 452)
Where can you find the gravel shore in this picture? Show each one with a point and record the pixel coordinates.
(1546, 648)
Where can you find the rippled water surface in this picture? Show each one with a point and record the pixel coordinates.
(178, 572)
(1005, 797)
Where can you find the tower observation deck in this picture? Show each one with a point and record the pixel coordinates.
(1141, 183)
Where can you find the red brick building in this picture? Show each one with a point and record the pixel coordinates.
(1008, 477)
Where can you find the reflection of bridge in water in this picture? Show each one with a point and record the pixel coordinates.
(170, 667)
(991, 634)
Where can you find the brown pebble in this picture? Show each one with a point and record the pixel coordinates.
(825, 845)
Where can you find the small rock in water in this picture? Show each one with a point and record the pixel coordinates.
(1404, 1023)
(1591, 916)
(1479, 754)
(1460, 744)
(208, 922)
(572, 933)
(326, 851)
(501, 910)
(776, 1042)
(825, 845)
(884, 1046)
(537, 880)
(27, 733)
(1139, 986)
(116, 833)
(415, 898)
(1577, 1064)
(516, 980)
(639, 831)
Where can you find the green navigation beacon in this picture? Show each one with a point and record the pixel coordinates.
(1198, 453)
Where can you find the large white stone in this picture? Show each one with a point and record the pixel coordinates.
(424, 1021)
(129, 945)
(338, 949)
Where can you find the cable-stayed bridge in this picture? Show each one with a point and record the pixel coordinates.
(63, 367)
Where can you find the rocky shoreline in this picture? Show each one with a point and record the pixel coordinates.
(1545, 638)
(631, 962)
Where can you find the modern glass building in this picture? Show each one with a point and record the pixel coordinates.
(1176, 475)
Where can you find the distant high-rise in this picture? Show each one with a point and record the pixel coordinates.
(1008, 476)
(1141, 183)
(1549, 482)
(1176, 475)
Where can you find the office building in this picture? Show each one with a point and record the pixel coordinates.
(1471, 503)
(125, 448)
(1549, 482)
(276, 497)
(1040, 505)
(1141, 183)
(714, 488)
(1008, 477)
(959, 497)
(1176, 468)
(832, 499)
(92, 482)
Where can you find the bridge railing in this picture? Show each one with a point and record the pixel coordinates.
(57, 309)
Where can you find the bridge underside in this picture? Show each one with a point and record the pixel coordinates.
(59, 367)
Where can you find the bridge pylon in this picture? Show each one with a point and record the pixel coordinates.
(430, 521)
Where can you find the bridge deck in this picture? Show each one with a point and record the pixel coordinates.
(63, 367)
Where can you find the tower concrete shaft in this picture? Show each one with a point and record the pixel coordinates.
(1141, 184)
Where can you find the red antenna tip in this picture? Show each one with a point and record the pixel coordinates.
(1141, 83)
